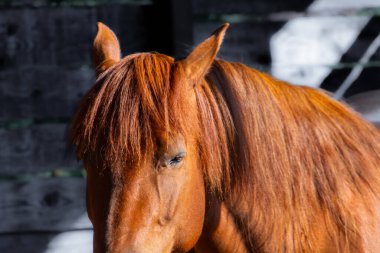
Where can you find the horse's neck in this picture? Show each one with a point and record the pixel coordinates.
(220, 232)
(267, 220)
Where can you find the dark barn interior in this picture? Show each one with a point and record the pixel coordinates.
(45, 69)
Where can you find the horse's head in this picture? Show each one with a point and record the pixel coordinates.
(138, 132)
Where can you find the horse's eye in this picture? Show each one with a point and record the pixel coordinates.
(176, 160)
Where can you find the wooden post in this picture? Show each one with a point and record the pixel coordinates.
(182, 26)
(170, 27)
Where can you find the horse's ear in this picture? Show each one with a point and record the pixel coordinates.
(198, 62)
(106, 49)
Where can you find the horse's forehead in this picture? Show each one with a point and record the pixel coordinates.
(169, 138)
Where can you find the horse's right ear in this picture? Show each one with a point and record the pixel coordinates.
(198, 62)
(106, 49)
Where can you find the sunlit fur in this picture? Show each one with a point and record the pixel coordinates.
(286, 160)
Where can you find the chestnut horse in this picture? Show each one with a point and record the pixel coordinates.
(213, 156)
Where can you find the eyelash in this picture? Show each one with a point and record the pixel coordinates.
(176, 160)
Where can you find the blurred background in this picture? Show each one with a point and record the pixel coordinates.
(45, 69)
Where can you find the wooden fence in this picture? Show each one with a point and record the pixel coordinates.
(45, 68)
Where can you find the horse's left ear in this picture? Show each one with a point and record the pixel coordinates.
(198, 62)
(106, 49)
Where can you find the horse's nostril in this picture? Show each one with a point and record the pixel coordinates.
(162, 221)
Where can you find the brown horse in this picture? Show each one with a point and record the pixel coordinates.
(214, 156)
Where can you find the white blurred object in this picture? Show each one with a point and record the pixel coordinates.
(320, 5)
(304, 50)
(73, 241)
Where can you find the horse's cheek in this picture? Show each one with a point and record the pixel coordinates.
(193, 216)
(89, 198)
(182, 203)
(169, 187)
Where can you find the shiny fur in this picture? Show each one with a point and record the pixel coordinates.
(270, 167)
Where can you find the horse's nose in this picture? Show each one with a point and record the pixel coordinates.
(144, 250)
(138, 251)
(125, 251)
(132, 251)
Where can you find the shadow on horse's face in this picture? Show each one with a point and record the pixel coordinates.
(158, 203)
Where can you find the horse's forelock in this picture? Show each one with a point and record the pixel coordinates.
(131, 105)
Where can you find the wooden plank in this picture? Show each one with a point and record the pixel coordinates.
(45, 205)
(45, 67)
(35, 149)
(248, 6)
(330, 5)
(280, 8)
(42, 91)
(30, 40)
(65, 40)
(67, 242)
(73, 3)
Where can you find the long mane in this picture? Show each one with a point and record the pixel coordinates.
(283, 157)
(299, 157)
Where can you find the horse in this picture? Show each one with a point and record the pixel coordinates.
(204, 155)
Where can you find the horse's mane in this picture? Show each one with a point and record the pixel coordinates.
(266, 147)
(299, 158)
